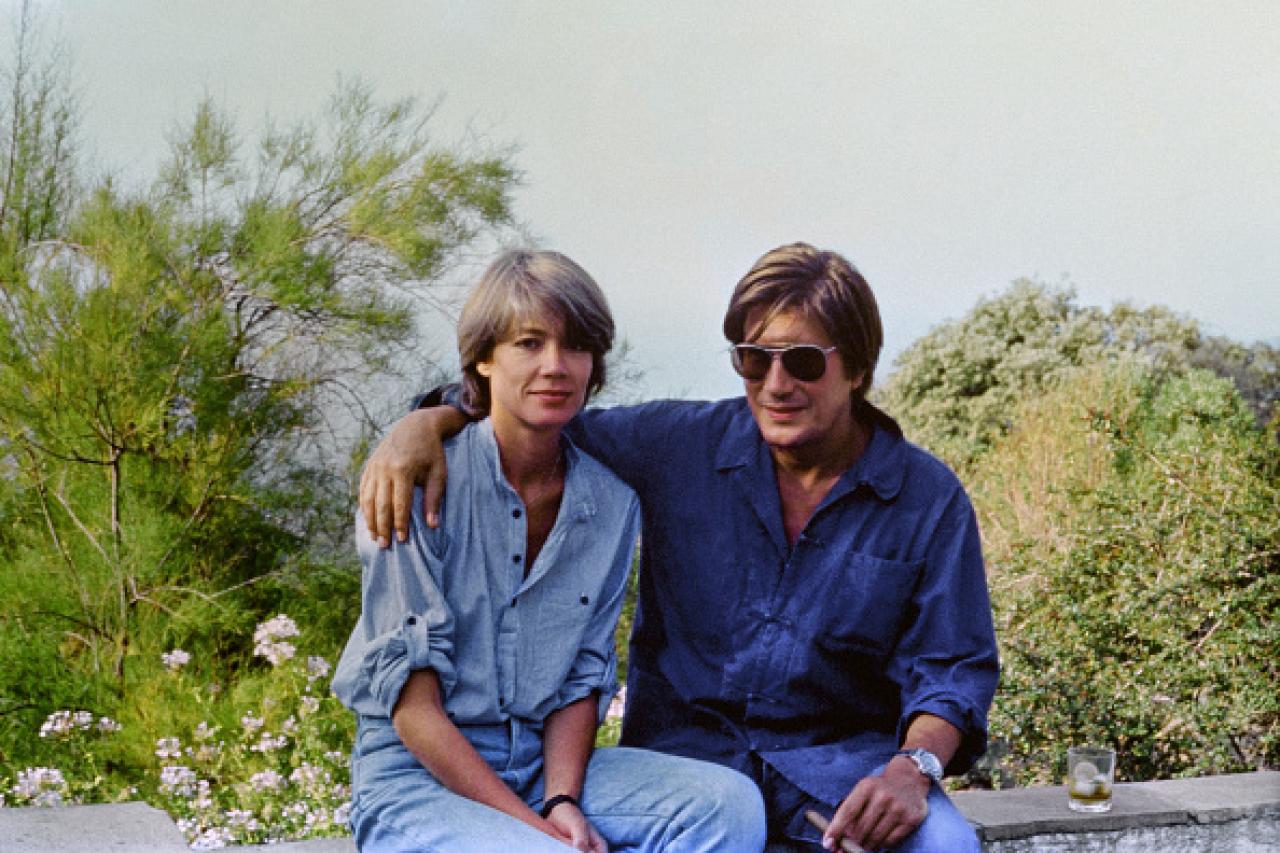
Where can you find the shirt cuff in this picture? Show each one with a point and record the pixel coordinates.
(409, 648)
(606, 683)
(452, 394)
(965, 716)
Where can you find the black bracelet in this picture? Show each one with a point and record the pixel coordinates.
(555, 801)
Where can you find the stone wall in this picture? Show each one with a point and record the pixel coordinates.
(1237, 813)
(1223, 814)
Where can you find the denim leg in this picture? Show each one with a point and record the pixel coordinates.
(641, 800)
(398, 807)
(945, 829)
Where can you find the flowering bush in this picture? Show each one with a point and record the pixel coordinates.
(269, 762)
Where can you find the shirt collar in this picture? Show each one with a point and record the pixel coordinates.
(579, 496)
(882, 466)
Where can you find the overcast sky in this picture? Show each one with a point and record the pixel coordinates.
(1129, 149)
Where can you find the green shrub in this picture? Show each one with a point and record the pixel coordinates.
(258, 759)
(1134, 553)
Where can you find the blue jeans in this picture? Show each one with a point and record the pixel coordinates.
(637, 799)
(944, 830)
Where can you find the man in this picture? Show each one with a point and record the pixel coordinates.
(812, 605)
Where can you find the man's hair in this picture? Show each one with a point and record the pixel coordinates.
(819, 285)
(524, 284)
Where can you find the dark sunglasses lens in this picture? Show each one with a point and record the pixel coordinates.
(805, 363)
(752, 363)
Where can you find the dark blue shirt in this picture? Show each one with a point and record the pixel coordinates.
(813, 658)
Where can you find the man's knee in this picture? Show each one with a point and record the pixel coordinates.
(944, 831)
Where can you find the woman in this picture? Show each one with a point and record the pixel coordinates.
(483, 658)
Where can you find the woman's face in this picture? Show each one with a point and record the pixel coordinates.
(536, 380)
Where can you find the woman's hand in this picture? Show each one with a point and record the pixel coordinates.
(569, 820)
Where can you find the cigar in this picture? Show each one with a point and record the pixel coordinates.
(822, 823)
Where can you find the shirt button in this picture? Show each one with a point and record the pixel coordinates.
(515, 558)
(412, 620)
(515, 513)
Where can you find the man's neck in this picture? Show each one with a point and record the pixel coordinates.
(818, 466)
(806, 475)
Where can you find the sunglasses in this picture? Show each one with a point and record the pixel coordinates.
(806, 362)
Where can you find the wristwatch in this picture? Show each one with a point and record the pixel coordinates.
(926, 762)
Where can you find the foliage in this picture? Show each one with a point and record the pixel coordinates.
(266, 760)
(1134, 554)
(955, 389)
(179, 365)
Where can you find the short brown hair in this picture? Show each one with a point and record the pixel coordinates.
(524, 283)
(818, 284)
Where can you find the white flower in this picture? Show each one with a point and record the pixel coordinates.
(308, 775)
(204, 731)
(309, 705)
(250, 723)
(41, 786)
(178, 780)
(203, 799)
(317, 667)
(290, 726)
(278, 628)
(267, 780)
(61, 724)
(277, 652)
(107, 725)
(266, 743)
(176, 659)
(213, 838)
(617, 704)
(342, 814)
(268, 637)
(168, 747)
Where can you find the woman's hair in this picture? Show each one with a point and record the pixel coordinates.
(523, 284)
(821, 286)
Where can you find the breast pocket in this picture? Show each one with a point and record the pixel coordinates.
(868, 606)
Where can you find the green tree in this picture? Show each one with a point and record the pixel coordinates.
(956, 388)
(171, 359)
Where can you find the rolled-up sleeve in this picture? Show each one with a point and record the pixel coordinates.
(947, 663)
(595, 667)
(405, 623)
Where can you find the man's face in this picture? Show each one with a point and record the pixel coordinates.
(795, 415)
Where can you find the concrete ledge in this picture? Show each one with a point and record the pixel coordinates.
(108, 828)
(1238, 812)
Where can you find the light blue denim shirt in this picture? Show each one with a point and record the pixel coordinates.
(456, 600)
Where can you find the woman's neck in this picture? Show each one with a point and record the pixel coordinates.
(530, 458)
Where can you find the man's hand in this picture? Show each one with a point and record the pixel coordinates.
(570, 822)
(882, 810)
(411, 454)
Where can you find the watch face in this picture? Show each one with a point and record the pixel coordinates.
(927, 762)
